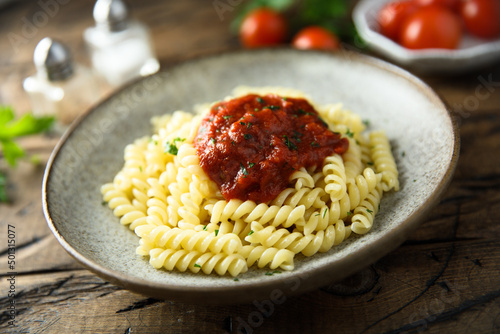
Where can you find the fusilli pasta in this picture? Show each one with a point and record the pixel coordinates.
(184, 223)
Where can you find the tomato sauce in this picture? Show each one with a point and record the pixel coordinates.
(251, 145)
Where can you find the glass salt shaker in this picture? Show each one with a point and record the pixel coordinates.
(121, 48)
(60, 87)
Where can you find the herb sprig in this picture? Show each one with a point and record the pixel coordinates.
(11, 129)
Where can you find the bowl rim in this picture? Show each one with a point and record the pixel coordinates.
(247, 292)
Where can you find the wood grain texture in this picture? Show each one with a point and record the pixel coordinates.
(443, 279)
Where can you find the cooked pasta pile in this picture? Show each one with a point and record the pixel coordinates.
(184, 223)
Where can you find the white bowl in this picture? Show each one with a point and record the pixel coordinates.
(473, 53)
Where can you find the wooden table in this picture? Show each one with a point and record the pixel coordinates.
(444, 279)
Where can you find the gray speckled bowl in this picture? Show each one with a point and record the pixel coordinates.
(424, 139)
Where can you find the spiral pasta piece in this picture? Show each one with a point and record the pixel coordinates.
(302, 179)
(272, 257)
(335, 177)
(384, 160)
(364, 214)
(305, 196)
(184, 260)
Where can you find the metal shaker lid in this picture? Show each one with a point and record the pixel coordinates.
(112, 14)
(53, 58)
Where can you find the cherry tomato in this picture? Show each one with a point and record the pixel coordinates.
(433, 27)
(315, 37)
(481, 17)
(391, 17)
(452, 4)
(263, 27)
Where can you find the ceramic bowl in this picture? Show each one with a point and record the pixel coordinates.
(423, 136)
(472, 53)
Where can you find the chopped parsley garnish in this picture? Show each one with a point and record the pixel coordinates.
(243, 170)
(212, 140)
(227, 116)
(271, 273)
(232, 142)
(289, 144)
(297, 135)
(369, 211)
(260, 100)
(243, 123)
(171, 147)
(205, 228)
(251, 232)
(369, 163)
(349, 133)
(349, 213)
(216, 232)
(249, 125)
(324, 213)
(273, 107)
(305, 113)
(314, 144)
(197, 265)
(236, 279)
(366, 122)
(247, 136)
(251, 164)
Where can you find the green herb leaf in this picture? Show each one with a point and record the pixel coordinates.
(289, 144)
(251, 232)
(11, 151)
(271, 273)
(251, 164)
(243, 170)
(10, 129)
(349, 133)
(205, 228)
(3, 188)
(25, 125)
(369, 211)
(216, 232)
(171, 147)
(196, 265)
(247, 136)
(273, 107)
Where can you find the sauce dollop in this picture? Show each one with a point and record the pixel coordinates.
(250, 146)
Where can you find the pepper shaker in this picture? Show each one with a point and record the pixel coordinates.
(60, 87)
(120, 48)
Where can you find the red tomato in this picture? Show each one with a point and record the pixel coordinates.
(391, 17)
(315, 37)
(481, 17)
(263, 27)
(452, 4)
(431, 27)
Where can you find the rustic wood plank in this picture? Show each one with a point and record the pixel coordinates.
(416, 287)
